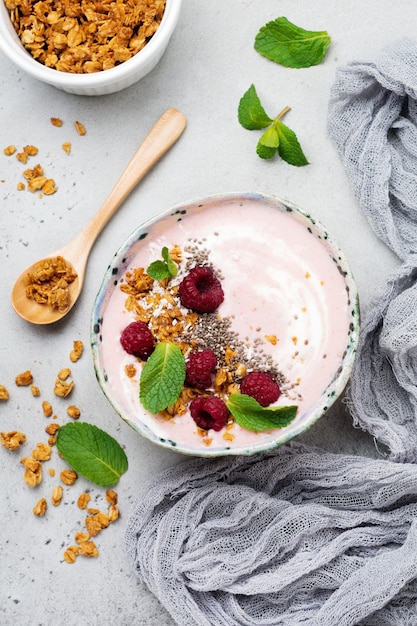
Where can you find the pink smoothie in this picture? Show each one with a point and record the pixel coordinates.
(280, 281)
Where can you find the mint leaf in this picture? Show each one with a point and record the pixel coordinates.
(290, 45)
(249, 414)
(92, 452)
(171, 266)
(159, 270)
(165, 253)
(289, 148)
(268, 143)
(162, 378)
(251, 113)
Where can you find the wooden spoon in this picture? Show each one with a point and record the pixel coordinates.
(161, 137)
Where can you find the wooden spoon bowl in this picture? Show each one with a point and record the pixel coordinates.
(161, 137)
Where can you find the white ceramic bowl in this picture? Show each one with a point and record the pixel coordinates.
(282, 274)
(98, 83)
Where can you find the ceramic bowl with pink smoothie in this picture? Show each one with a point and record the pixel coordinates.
(290, 307)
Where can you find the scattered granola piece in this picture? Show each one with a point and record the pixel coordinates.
(64, 373)
(57, 494)
(30, 464)
(71, 554)
(103, 519)
(36, 183)
(33, 172)
(88, 548)
(21, 186)
(24, 379)
(12, 440)
(51, 471)
(113, 513)
(68, 476)
(52, 429)
(42, 452)
(83, 500)
(66, 146)
(4, 393)
(33, 473)
(49, 187)
(80, 537)
(77, 351)
(111, 496)
(56, 121)
(80, 128)
(36, 392)
(272, 339)
(93, 525)
(30, 150)
(47, 408)
(62, 388)
(130, 370)
(9, 150)
(93, 511)
(40, 507)
(73, 411)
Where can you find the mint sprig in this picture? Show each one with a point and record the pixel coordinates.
(92, 452)
(285, 43)
(161, 269)
(162, 378)
(251, 113)
(277, 138)
(249, 414)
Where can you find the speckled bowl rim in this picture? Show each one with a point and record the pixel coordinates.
(335, 387)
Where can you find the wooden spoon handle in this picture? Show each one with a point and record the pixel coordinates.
(160, 138)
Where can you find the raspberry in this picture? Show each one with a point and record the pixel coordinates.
(260, 386)
(209, 412)
(138, 340)
(199, 367)
(201, 290)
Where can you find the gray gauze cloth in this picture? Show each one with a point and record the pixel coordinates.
(298, 536)
(382, 394)
(372, 121)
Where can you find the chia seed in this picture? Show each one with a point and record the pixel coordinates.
(215, 332)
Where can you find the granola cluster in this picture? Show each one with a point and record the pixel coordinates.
(157, 304)
(34, 177)
(42, 453)
(85, 36)
(95, 522)
(160, 305)
(49, 284)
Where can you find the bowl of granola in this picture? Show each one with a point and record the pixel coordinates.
(226, 326)
(87, 48)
